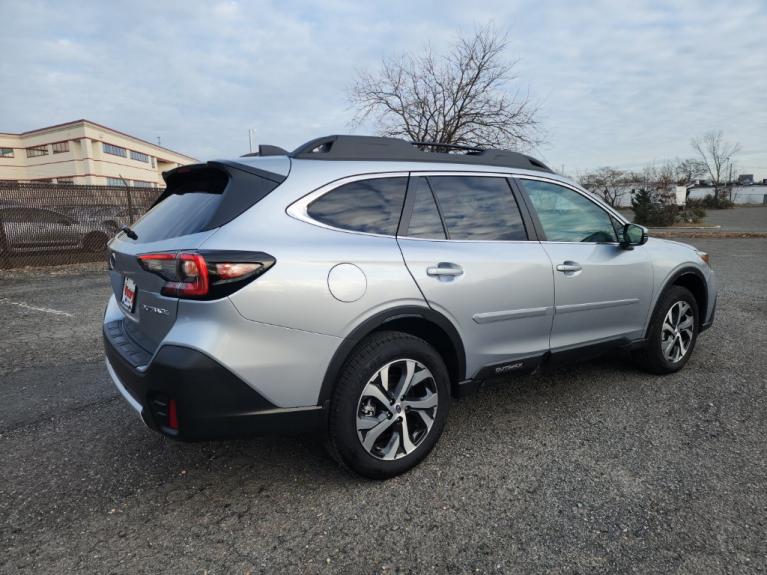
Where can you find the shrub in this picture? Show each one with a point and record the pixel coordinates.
(690, 215)
(650, 211)
(712, 203)
(693, 212)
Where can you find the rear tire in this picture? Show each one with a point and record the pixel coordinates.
(389, 406)
(672, 333)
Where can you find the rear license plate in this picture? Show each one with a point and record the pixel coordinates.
(129, 294)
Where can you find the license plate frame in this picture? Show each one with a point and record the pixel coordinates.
(128, 299)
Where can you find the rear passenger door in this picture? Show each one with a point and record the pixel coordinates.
(465, 241)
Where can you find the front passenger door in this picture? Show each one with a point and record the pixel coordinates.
(602, 291)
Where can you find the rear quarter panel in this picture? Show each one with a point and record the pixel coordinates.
(295, 292)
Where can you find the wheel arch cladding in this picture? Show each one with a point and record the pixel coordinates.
(425, 323)
(693, 280)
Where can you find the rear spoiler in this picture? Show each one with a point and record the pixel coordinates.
(241, 186)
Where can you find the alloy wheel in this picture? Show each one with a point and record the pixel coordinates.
(677, 331)
(396, 409)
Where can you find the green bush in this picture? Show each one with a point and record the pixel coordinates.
(650, 211)
(712, 203)
(693, 212)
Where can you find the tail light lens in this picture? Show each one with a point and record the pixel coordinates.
(206, 274)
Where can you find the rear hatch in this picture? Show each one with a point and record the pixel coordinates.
(198, 200)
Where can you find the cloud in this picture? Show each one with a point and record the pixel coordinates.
(618, 85)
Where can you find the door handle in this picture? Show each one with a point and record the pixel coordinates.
(569, 267)
(444, 270)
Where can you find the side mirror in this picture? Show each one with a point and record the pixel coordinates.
(633, 235)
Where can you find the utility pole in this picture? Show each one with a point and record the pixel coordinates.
(729, 184)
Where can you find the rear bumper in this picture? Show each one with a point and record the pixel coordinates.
(212, 402)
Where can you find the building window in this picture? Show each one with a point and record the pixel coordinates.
(139, 156)
(114, 150)
(36, 151)
(116, 182)
(6, 152)
(154, 164)
(65, 180)
(142, 184)
(60, 147)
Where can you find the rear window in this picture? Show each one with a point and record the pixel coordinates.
(177, 215)
(203, 198)
(371, 206)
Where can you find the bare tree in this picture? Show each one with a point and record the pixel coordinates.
(717, 155)
(688, 170)
(610, 184)
(460, 97)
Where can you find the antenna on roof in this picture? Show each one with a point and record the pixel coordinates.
(251, 132)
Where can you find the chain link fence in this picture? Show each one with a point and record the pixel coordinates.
(54, 224)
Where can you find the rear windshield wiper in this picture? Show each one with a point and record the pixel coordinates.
(129, 232)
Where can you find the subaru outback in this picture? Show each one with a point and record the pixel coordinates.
(356, 285)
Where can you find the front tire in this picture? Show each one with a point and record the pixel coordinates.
(389, 406)
(672, 333)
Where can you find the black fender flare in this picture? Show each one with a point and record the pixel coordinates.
(671, 280)
(381, 319)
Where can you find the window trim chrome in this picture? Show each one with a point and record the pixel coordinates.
(299, 208)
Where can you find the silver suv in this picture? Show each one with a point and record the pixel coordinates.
(356, 285)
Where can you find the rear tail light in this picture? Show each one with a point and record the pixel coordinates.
(205, 274)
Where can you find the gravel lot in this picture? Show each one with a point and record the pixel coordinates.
(591, 468)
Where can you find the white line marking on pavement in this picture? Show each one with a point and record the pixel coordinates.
(35, 308)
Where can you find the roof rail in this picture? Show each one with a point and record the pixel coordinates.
(267, 150)
(470, 149)
(394, 149)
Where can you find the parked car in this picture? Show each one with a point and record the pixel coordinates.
(106, 217)
(357, 285)
(34, 229)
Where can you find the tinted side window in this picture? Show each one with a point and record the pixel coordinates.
(372, 206)
(424, 221)
(566, 216)
(478, 208)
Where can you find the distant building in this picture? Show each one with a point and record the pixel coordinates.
(754, 193)
(745, 180)
(83, 152)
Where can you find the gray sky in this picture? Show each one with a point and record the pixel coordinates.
(620, 83)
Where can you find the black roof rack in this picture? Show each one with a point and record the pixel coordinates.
(394, 149)
(267, 150)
